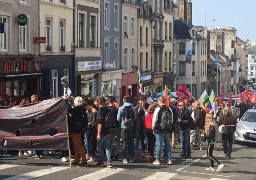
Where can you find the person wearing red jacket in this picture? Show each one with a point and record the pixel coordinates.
(149, 132)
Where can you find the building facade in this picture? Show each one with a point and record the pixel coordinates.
(111, 51)
(129, 48)
(20, 56)
(56, 26)
(87, 45)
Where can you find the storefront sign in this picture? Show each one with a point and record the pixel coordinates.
(39, 40)
(22, 19)
(89, 65)
(145, 78)
(20, 67)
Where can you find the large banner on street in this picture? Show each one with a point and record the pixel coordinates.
(39, 126)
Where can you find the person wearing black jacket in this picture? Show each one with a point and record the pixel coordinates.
(185, 121)
(210, 132)
(78, 122)
(103, 132)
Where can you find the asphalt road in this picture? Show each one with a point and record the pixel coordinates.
(241, 166)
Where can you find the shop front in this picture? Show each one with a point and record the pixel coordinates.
(129, 85)
(88, 73)
(53, 69)
(111, 84)
(169, 81)
(20, 77)
(147, 82)
(158, 83)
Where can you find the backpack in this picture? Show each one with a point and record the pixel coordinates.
(128, 116)
(165, 118)
(111, 117)
(148, 121)
(202, 120)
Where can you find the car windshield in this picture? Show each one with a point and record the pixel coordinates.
(249, 116)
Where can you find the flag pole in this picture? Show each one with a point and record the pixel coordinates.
(217, 77)
(191, 77)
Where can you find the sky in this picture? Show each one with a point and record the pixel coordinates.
(240, 14)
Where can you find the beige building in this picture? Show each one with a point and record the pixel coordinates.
(56, 25)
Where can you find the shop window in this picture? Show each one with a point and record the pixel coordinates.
(16, 88)
(55, 83)
(4, 36)
(62, 31)
(8, 86)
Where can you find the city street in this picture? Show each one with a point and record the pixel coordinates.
(241, 166)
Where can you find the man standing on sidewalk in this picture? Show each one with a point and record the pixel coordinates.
(162, 127)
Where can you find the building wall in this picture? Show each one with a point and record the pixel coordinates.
(57, 11)
(129, 40)
(110, 34)
(11, 9)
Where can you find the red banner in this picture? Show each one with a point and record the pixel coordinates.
(183, 93)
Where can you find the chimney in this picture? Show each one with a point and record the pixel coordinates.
(189, 12)
(182, 10)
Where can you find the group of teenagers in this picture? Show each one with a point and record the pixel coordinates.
(100, 125)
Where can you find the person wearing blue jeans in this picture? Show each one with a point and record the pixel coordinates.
(103, 143)
(162, 128)
(184, 120)
(87, 137)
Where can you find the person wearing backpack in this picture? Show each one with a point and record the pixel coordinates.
(149, 132)
(127, 116)
(103, 131)
(115, 127)
(162, 127)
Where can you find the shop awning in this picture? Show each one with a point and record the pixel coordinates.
(21, 76)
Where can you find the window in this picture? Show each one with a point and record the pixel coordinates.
(182, 48)
(106, 16)
(193, 68)
(116, 50)
(165, 31)
(23, 38)
(66, 73)
(62, 31)
(23, 1)
(4, 37)
(147, 61)
(182, 67)
(170, 31)
(106, 51)
(132, 27)
(193, 48)
(125, 59)
(93, 32)
(147, 36)
(48, 34)
(63, 1)
(116, 19)
(170, 61)
(125, 26)
(165, 59)
(55, 83)
(81, 30)
(141, 43)
(133, 56)
(141, 61)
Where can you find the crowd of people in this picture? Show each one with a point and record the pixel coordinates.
(99, 127)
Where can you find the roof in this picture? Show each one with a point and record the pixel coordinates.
(181, 29)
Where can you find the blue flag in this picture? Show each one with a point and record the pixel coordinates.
(216, 62)
(189, 54)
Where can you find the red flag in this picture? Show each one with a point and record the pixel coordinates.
(221, 97)
(230, 98)
(167, 102)
(183, 93)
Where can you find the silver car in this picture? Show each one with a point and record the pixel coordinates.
(246, 127)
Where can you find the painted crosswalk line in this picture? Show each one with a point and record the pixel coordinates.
(103, 173)
(37, 173)
(7, 166)
(161, 176)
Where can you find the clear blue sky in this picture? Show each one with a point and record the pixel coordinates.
(227, 13)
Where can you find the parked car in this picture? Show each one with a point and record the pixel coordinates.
(246, 127)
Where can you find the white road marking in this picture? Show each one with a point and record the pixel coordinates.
(180, 169)
(204, 156)
(206, 174)
(103, 173)
(36, 174)
(161, 175)
(218, 179)
(7, 166)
